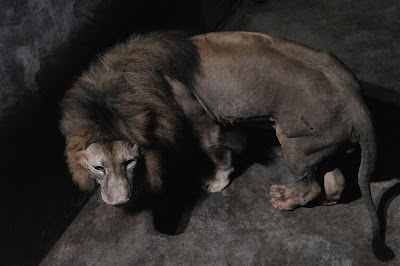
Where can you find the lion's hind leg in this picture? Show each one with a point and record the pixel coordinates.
(334, 185)
(302, 154)
(285, 198)
(307, 186)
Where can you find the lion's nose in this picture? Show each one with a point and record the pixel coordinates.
(118, 191)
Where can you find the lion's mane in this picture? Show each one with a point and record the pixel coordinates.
(125, 95)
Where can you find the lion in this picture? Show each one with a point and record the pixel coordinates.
(140, 100)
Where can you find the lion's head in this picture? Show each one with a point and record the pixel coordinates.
(112, 165)
(121, 109)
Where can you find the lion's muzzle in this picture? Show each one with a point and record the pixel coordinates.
(116, 191)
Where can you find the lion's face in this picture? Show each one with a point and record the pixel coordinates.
(112, 164)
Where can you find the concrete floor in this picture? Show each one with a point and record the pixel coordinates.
(239, 226)
(235, 227)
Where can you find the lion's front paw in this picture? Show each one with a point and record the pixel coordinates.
(216, 185)
(280, 200)
(220, 181)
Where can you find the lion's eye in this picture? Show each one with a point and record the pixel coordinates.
(128, 162)
(99, 168)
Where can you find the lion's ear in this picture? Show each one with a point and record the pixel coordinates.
(153, 169)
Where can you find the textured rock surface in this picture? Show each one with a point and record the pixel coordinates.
(235, 227)
(36, 194)
(30, 31)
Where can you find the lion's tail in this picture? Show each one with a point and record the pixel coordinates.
(366, 138)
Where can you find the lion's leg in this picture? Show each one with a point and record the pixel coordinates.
(220, 155)
(301, 159)
(334, 185)
(306, 190)
(222, 158)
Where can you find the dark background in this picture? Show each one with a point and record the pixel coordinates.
(44, 45)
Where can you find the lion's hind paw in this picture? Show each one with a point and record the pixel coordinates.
(278, 195)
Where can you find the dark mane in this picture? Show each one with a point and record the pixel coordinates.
(125, 95)
(125, 90)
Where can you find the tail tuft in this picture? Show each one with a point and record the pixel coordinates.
(381, 251)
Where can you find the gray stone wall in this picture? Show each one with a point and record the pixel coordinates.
(31, 31)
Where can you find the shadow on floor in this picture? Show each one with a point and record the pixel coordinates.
(183, 188)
